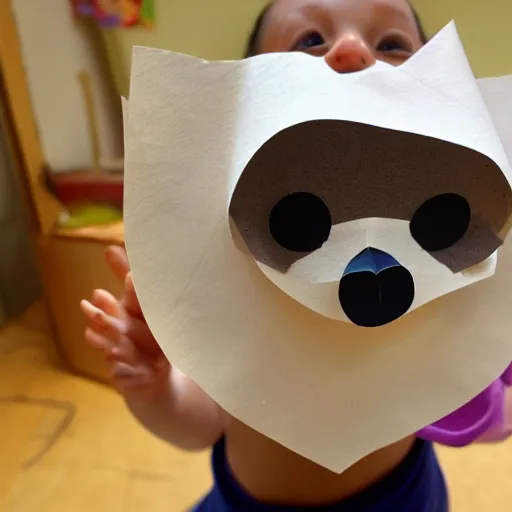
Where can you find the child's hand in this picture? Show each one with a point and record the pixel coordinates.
(167, 403)
(117, 328)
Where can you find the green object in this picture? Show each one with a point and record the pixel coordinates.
(84, 215)
(147, 12)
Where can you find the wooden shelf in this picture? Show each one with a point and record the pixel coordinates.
(105, 234)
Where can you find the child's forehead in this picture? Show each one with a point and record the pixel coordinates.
(281, 8)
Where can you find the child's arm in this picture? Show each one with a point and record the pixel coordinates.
(162, 398)
(182, 414)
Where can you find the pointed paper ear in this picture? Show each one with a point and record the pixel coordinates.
(149, 61)
(145, 57)
(497, 95)
(442, 65)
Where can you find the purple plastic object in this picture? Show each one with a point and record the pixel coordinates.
(85, 10)
(483, 419)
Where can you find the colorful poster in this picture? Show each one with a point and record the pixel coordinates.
(117, 13)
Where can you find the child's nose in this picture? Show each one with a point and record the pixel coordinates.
(349, 54)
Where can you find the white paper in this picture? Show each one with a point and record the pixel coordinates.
(254, 340)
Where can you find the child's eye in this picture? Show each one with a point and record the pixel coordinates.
(310, 41)
(394, 44)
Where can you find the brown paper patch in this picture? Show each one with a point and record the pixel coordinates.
(362, 171)
(475, 246)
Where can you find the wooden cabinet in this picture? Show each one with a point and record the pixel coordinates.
(72, 266)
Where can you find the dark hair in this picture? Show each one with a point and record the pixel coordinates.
(419, 24)
(252, 47)
(253, 42)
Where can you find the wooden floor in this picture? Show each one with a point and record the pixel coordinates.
(69, 445)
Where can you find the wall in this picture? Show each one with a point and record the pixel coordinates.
(484, 28)
(211, 29)
(56, 49)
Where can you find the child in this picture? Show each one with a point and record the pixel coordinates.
(252, 472)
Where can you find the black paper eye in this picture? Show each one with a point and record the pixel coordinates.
(300, 222)
(440, 222)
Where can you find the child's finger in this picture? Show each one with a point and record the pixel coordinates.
(117, 260)
(98, 341)
(93, 315)
(125, 351)
(127, 339)
(138, 331)
(115, 350)
(130, 301)
(129, 376)
(112, 332)
(98, 319)
(108, 303)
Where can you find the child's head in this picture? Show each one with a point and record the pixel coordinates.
(350, 34)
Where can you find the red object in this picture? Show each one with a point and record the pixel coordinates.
(86, 186)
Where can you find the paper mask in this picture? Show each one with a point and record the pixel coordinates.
(317, 250)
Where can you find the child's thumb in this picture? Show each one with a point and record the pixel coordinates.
(130, 300)
(117, 260)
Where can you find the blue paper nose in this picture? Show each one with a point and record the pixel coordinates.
(375, 289)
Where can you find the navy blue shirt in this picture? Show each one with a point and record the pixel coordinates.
(415, 485)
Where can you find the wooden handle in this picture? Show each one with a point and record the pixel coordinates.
(87, 89)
